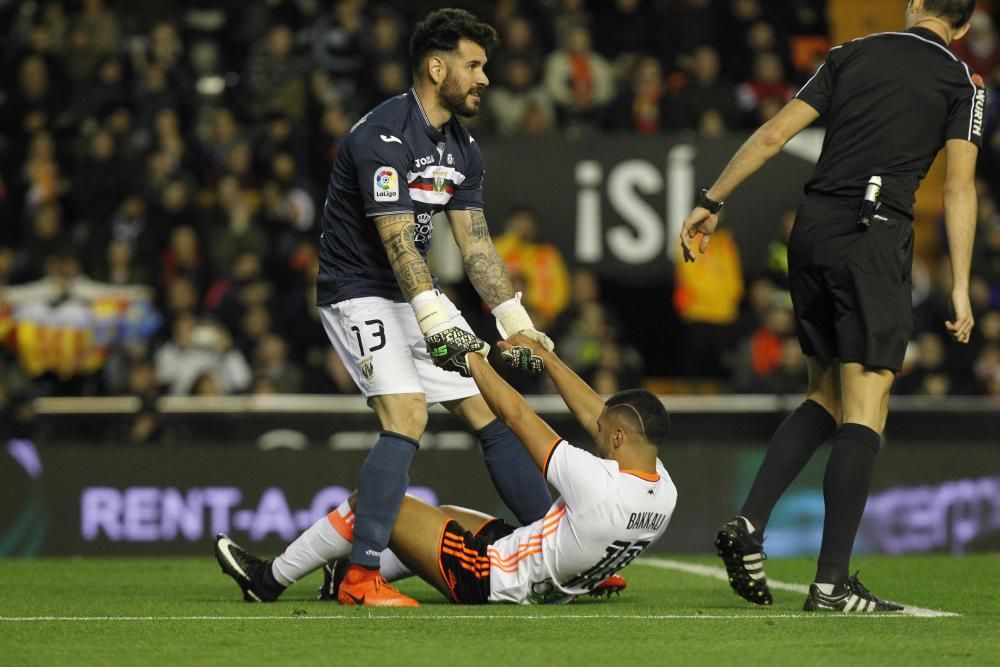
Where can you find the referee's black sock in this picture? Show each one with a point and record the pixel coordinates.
(793, 444)
(845, 490)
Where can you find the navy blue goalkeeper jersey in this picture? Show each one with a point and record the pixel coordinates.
(392, 161)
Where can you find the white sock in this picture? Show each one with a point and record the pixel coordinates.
(825, 589)
(392, 569)
(328, 539)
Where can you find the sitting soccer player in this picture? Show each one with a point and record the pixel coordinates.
(612, 506)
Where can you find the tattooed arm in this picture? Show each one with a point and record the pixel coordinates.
(483, 265)
(409, 266)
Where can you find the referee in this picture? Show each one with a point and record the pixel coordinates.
(891, 101)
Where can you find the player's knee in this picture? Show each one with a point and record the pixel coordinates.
(407, 418)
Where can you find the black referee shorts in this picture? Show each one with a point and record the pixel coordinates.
(851, 288)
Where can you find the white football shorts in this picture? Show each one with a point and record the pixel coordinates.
(382, 347)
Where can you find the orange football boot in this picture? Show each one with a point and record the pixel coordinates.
(367, 588)
(613, 584)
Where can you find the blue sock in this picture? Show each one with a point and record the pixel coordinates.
(515, 476)
(381, 487)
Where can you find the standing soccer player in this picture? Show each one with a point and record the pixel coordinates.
(404, 161)
(891, 101)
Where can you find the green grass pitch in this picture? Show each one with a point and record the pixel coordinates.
(184, 611)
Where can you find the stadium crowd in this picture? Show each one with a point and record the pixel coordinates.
(185, 146)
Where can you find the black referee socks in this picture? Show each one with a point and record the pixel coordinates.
(845, 490)
(793, 444)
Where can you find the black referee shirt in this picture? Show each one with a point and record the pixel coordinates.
(891, 101)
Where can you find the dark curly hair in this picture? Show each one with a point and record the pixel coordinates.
(442, 29)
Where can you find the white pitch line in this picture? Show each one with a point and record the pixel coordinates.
(720, 573)
(440, 617)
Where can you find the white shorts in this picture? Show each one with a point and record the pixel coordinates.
(382, 347)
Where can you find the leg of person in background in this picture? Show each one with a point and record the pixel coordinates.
(740, 542)
(516, 478)
(845, 490)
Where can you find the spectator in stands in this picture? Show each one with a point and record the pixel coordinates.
(767, 87)
(980, 49)
(337, 45)
(518, 42)
(234, 229)
(643, 107)
(763, 362)
(578, 79)
(626, 33)
(196, 349)
(515, 96)
(97, 181)
(276, 76)
(539, 265)
(925, 374)
(707, 299)
(102, 27)
(271, 362)
(704, 90)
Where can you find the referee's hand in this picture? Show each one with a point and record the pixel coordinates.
(699, 221)
(961, 327)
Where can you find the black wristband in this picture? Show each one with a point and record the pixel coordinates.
(707, 203)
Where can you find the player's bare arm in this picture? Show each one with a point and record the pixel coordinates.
(488, 274)
(409, 266)
(585, 403)
(446, 343)
(483, 265)
(511, 408)
(762, 145)
(960, 220)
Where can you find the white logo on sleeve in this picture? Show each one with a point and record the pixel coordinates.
(979, 113)
(386, 184)
(390, 139)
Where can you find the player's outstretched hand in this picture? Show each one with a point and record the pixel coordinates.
(449, 347)
(699, 221)
(521, 358)
(538, 337)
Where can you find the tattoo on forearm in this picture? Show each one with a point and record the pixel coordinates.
(407, 263)
(480, 230)
(489, 276)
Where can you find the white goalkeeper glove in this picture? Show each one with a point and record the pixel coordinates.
(512, 318)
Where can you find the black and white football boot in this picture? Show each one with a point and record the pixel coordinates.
(333, 574)
(743, 554)
(849, 598)
(251, 574)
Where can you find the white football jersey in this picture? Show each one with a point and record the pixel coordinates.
(604, 518)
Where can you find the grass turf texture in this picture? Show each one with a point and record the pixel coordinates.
(622, 630)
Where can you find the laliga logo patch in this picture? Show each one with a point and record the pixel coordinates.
(386, 185)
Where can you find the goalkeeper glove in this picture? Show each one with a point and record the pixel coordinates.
(522, 359)
(446, 343)
(512, 318)
(449, 347)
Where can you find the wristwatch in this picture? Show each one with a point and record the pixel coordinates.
(706, 202)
